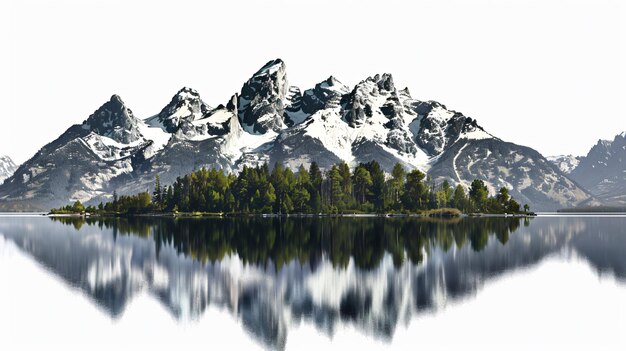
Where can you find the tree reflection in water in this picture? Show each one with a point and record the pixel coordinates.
(273, 273)
(277, 241)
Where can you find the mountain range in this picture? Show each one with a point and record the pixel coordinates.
(602, 171)
(271, 121)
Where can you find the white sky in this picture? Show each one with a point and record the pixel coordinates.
(548, 74)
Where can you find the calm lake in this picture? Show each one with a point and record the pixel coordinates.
(556, 282)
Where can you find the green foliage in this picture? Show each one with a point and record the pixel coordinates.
(366, 189)
(362, 182)
(479, 194)
(459, 198)
(76, 208)
(415, 191)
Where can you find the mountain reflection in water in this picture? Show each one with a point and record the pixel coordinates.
(271, 273)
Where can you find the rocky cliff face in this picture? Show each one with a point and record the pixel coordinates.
(271, 121)
(263, 98)
(603, 171)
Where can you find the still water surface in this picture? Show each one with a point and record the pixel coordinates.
(372, 276)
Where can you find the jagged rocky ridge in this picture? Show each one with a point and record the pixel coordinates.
(603, 171)
(271, 121)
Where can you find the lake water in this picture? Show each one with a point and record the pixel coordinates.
(555, 282)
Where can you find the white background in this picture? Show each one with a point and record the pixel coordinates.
(547, 73)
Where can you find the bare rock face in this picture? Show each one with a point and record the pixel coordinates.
(114, 120)
(262, 99)
(603, 171)
(186, 106)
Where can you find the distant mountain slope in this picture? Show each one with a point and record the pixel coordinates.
(603, 170)
(272, 121)
(532, 178)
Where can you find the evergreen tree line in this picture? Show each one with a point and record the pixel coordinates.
(366, 189)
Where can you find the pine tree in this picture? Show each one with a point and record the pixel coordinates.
(78, 207)
(315, 174)
(444, 195)
(269, 199)
(479, 194)
(346, 178)
(157, 194)
(287, 205)
(459, 198)
(362, 183)
(378, 184)
(115, 198)
(315, 202)
(398, 175)
(503, 196)
(300, 199)
(336, 191)
(415, 191)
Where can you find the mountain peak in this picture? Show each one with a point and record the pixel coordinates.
(332, 80)
(271, 67)
(116, 99)
(603, 143)
(114, 120)
(185, 105)
(332, 83)
(384, 81)
(115, 107)
(262, 101)
(187, 92)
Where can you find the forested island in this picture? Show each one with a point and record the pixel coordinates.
(339, 190)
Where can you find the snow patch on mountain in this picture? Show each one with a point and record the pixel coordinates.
(336, 136)
(156, 135)
(7, 168)
(566, 163)
(476, 135)
(186, 105)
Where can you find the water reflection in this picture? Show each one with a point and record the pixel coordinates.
(374, 273)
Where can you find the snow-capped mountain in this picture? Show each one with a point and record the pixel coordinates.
(271, 121)
(7, 168)
(566, 163)
(603, 170)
